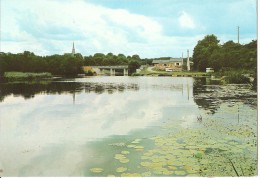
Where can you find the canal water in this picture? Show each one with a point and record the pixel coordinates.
(127, 126)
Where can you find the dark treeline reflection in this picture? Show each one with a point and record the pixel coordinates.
(209, 96)
(28, 89)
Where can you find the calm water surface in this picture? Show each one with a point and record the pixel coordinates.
(69, 126)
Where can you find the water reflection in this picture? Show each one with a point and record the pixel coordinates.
(28, 89)
(47, 134)
(209, 97)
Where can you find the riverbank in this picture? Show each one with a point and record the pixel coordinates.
(151, 72)
(26, 76)
(226, 77)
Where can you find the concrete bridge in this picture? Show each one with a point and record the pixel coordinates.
(99, 69)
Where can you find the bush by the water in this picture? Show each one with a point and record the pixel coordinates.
(236, 78)
(137, 74)
(10, 76)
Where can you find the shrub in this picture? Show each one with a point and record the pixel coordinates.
(236, 78)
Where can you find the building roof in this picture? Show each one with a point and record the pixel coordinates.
(168, 61)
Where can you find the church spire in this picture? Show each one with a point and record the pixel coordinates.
(73, 49)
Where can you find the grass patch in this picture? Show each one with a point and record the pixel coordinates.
(174, 73)
(14, 76)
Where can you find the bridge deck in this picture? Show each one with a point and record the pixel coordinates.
(111, 67)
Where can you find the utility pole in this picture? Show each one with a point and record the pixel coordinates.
(238, 34)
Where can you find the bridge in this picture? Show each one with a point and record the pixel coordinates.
(100, 69)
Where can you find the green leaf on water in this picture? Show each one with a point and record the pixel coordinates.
(172, 167)
(179, 173)
(130, 175)
(119, 156)
(125, 160)
(139, 147)
(111, 175)
(96, 170)
(146, 174)
(198, 155)
(125, 152)
(131, 146)
(121, 169)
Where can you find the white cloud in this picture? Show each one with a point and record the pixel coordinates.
(49, 27)
(186, 21)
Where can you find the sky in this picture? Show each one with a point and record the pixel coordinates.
(149, 28)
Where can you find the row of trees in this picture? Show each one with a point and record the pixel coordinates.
(229, 56)
(100, 59)
(66, 64)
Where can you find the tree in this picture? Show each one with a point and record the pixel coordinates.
(133, 65)
(203, 50)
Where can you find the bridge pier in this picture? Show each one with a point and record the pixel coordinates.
(112, 72)
(125, 72)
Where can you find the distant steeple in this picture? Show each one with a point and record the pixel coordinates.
(73, 49)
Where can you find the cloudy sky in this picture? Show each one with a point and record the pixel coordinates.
(150, 28)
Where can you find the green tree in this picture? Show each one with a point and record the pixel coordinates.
(203, 51)
(133, 65)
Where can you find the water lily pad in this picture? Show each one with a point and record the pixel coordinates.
(121, 169)
(96, 170)
(111, 175)
(178, 163)
(146, 174)
(180, 173)
(124, 160)
(152, 165)
(198, 155)
(193, 175)
(145, 164)
(119, 156)
(167, 172)
(131, 146)
(125, 152)
(130, 175)
(161, 170)
(172, 167)
(139, 147)
(136, 141)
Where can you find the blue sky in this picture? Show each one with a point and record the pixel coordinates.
(150, 28)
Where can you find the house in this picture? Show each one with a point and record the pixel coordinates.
(172, 64)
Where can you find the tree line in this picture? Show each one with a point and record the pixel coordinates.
(66, 64)
(228, 56)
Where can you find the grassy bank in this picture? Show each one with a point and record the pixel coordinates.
(14, 76)
(146, 72)
(224, 77)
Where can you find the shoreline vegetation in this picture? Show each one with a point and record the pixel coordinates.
(217, 78)
(26, 76)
